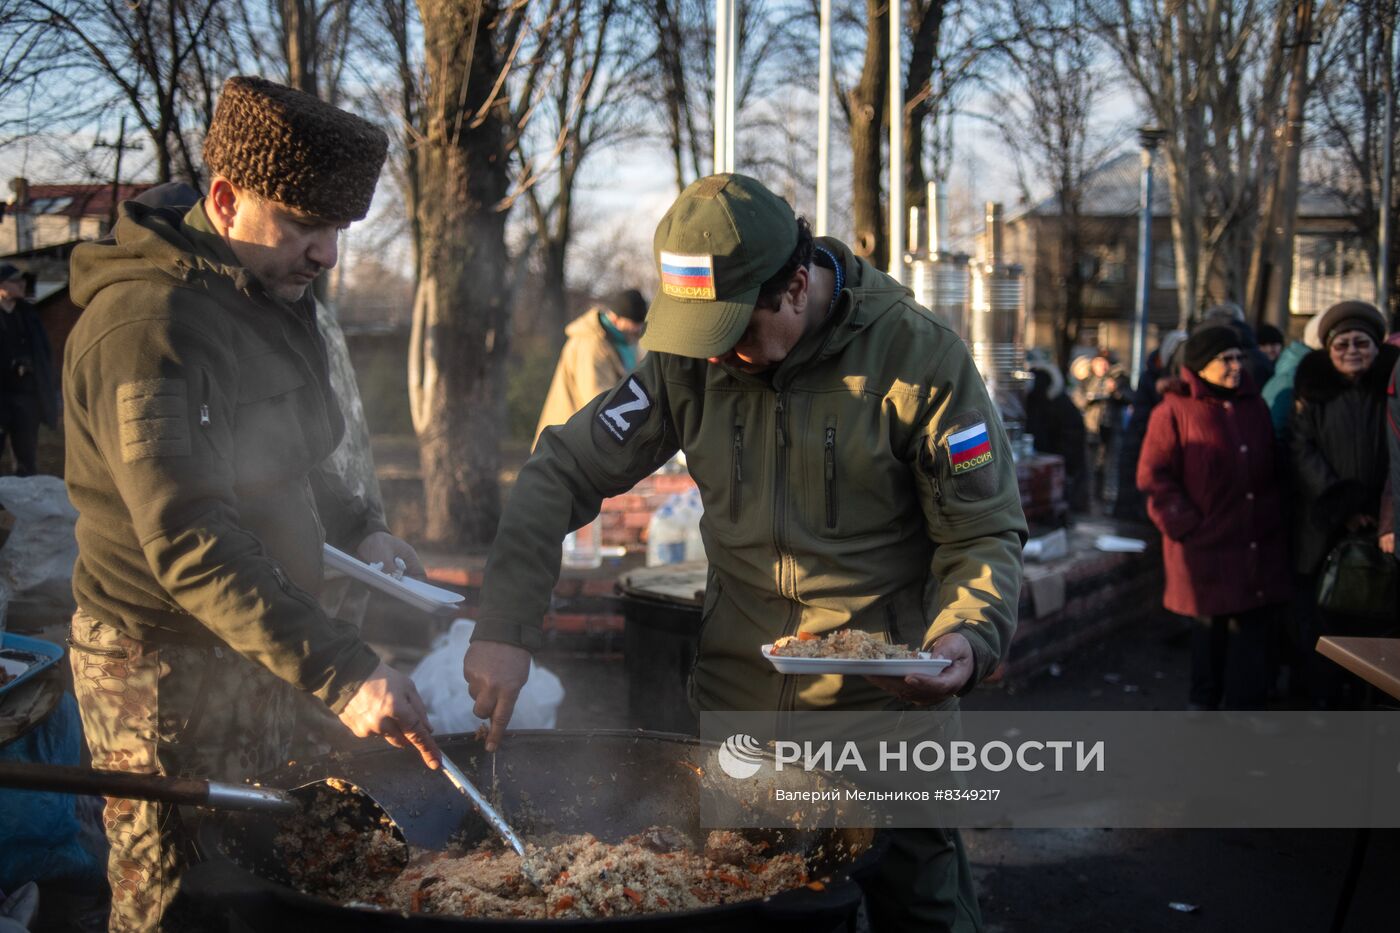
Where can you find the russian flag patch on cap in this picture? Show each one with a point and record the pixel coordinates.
(688, 276)
(970, 448)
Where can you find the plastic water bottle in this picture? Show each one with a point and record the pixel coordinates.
(665, 536)
(694, 509)
(583, 548)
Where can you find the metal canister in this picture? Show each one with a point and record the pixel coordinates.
(997, 325)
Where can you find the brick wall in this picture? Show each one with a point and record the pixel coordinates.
(624, 518)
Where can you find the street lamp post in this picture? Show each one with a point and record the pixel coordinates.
(896, 224)
(824, 120)
(1148, 138)
(1388, 161)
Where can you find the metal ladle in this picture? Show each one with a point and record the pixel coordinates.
(493, 817)
(351, 803)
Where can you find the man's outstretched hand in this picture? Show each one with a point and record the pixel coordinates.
(495, 673)
(388, 705)
(380, 547)
(924, 689)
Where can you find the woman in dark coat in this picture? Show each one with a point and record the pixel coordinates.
(1339, 451)
(1054, 421)
(1208, 469)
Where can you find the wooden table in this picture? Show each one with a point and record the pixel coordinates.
(1374, 660)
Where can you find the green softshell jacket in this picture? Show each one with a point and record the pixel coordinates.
(830, 498)
(197, 415)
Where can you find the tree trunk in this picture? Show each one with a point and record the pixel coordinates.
(554, 251)
(927, 26)
(869, 101)
(1071, 255)
(669, 53)
(299, 44)
(1284, 212)
(461, 313)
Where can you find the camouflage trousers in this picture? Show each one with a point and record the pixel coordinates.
(179, 711)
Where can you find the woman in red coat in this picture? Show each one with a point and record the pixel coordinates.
(1209, 473)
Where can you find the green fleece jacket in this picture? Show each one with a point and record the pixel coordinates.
(197, 415)
(851, 486)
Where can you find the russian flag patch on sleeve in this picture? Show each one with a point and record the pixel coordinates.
(970, 448)
(688, 276)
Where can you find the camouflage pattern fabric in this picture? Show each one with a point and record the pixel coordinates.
(174, 710)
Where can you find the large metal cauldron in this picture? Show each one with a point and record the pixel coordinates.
(611, 784)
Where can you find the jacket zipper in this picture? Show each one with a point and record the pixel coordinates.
(204, 403)
(788, 694)
(829, 472)
(779, 492)
(891, 623)
(736, 494)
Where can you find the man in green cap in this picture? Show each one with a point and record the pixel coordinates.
(853, 472)
(198, 415)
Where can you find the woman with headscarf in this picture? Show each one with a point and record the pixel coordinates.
(1339, 451)
(1209, 473)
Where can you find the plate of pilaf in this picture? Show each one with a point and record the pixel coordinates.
(849, 651)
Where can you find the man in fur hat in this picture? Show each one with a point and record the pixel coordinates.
(198, 414)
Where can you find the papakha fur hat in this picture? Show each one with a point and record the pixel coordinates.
(294, 148)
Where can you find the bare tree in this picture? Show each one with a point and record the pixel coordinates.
(866, 116)
(487, 69)
(589, 106)
(30, 51)
(147, 57)
(305, 44)
(1349, 109)
(1052, 84)
(940, 60)
(680, 75)
(1271, 265)
(1211, 75)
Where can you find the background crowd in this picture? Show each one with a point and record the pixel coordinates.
(1266, 465)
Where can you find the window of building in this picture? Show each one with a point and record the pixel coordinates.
(1164, 265)
(1110, 263)
(1328, 268)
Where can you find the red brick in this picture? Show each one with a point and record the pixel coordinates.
(672, 483)
(604, 623)
(636, 519)
(572, 622)
(454, 576)
(628, 503)
(595, 587)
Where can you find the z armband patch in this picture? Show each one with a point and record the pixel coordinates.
(625, 411)
(967, 445)
(153, 419)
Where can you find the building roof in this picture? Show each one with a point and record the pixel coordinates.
(1114, 189)
(76, 200)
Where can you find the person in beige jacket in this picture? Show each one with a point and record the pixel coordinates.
(601, 348)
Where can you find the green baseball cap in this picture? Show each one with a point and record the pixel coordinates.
(723, 238)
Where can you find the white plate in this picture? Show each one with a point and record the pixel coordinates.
(881, 667)
(416, 593)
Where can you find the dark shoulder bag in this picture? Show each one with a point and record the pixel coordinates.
(1359, 580)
